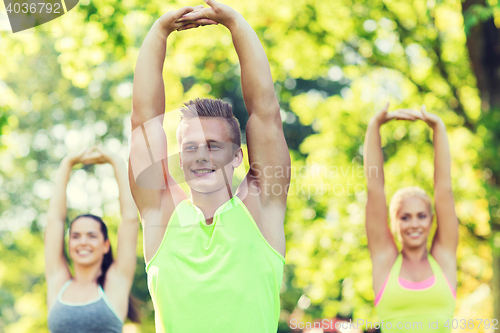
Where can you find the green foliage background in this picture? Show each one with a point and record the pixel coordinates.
(67, 84)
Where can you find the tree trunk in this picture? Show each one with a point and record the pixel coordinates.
(483, 43)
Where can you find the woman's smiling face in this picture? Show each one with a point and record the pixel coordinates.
(86, 242)
(414, 222)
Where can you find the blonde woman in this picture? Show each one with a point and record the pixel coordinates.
(414, 287)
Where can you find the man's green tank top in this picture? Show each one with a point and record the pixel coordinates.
(217, 278)
(415, 311)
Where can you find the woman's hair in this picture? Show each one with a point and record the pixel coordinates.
(107, 260)
(399, 197)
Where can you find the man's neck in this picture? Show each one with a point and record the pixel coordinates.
(210, 202)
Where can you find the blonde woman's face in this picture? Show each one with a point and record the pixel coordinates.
(414, 221)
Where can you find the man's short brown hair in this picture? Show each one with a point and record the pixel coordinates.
(209, 107)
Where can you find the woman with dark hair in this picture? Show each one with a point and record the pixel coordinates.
(96, 298)
(414, 288)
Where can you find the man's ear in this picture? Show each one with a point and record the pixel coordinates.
(238, 157)
(180, 160)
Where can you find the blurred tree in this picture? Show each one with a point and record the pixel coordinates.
(483, 44)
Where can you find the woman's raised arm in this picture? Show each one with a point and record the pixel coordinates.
(126, 256)
(446, 237)
(56, 266)
(380, 241)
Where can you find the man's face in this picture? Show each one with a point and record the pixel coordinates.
(205, 148)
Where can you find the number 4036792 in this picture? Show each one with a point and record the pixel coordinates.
(33, 8)
(472, 323)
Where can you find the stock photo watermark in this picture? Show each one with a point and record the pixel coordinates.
(361, 324)
(26, 14)
(151, 168)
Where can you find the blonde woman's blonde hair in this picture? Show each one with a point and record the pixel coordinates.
(399, 197)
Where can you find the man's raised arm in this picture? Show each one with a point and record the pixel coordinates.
(256, 80)
(148, 172)
(267, 149)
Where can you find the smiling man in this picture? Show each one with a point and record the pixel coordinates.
(210, 142)
(214, 260)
